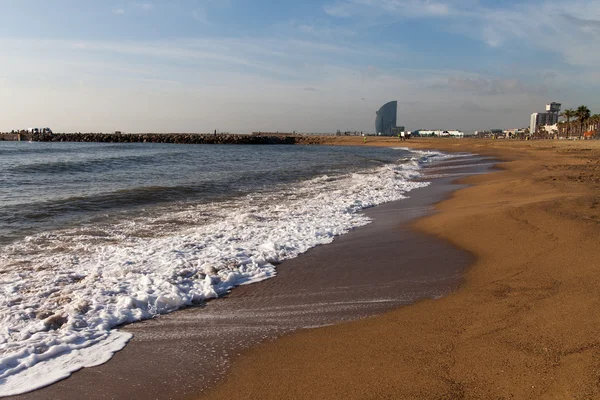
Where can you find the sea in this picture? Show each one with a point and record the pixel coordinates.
(94, 235)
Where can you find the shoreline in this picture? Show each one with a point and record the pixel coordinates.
(521, 326)
(171, 344)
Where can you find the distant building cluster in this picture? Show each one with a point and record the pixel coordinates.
(386, 124)
(502, 133)
(440, 133)
(31, 130)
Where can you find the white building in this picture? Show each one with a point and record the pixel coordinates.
(542, 119)
(553, 129)
(550, 117)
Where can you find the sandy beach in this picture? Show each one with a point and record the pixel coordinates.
(523, 325)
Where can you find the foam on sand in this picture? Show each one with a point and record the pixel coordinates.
(50, 369)
(64, 292)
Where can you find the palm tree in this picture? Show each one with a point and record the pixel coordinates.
(561, 127)
(595, 120)
(568, 114)
(583, 114)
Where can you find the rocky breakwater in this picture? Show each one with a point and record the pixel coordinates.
(179, 138)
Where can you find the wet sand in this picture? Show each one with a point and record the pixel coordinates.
(524, 324)
(371, 270)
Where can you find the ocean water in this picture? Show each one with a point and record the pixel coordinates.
(93, 236)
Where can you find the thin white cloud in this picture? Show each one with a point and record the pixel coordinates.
(146, 6)
(486, 86)
(143, 6)
(201, 12)
(322, 29)
(200, 15)
(403, 8)
(341, 10)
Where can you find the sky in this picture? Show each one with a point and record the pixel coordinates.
(303, 65)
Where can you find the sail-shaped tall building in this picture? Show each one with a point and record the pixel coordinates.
(385, 121)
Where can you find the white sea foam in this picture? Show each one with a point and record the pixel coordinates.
(64, 292)
(53, 368)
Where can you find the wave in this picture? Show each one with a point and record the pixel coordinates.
(19, 216)
(96, 165)
(214, 188)
(20, 148)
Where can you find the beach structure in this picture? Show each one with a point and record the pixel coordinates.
(550, 117)
(385, 121)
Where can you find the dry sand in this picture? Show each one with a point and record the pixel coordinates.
(525, 324)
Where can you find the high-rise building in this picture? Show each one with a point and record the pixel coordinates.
(385, 121)
(533, 123)
(550, 117)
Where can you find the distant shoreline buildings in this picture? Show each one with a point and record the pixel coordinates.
(386, 125)
(441, 133)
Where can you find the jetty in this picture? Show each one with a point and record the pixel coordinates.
(178, 138)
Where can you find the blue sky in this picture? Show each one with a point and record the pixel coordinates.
(314, 66)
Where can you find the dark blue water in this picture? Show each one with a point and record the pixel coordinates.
(45, 186)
